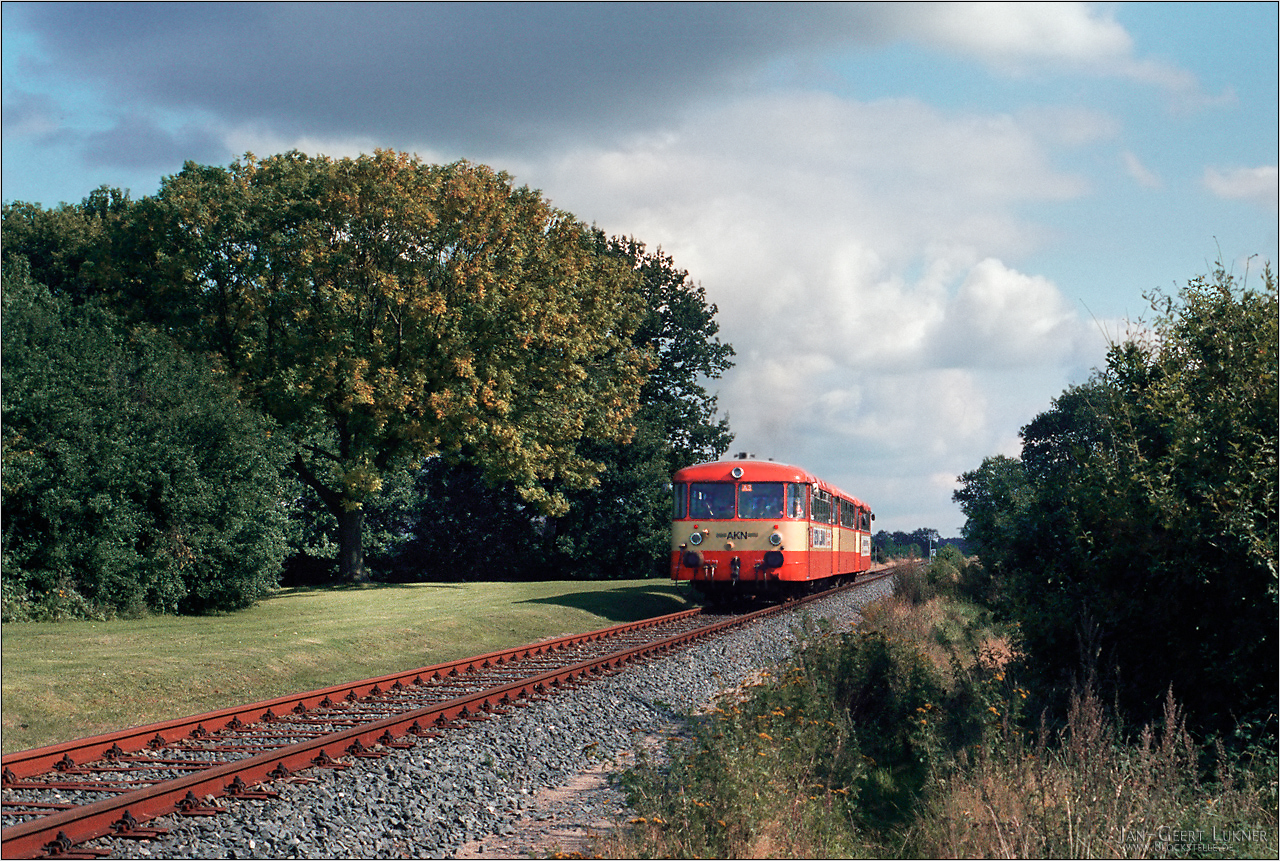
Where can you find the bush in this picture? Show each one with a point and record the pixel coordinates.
(918, 582)
(59, 604)
(977, 585)
(911, 583)
(1141, 518)
(133, 480)
(822, 757)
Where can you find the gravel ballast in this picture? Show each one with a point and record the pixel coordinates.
(476, 781)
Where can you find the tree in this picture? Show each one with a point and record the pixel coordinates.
(64, 248)
(993, 498)
(382, 309)
(1141, 536)
(622, 526)
(451, 525)
(133, 477)
(915, 543)
(680, 329)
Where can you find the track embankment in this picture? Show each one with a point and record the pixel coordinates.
(357, 781)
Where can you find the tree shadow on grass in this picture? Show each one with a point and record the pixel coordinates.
(293, 591)
(623, 604)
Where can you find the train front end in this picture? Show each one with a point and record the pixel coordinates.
(741, 527)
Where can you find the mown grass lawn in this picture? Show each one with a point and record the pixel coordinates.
(73, 679)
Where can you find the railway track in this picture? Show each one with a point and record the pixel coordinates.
(57, 798)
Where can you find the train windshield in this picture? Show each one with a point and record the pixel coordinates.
(679, 498)
(762, 500)
(711, 500)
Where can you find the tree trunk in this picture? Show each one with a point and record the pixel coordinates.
(350, 525)
(351, 547)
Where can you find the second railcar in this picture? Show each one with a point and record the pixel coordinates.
(745, 527)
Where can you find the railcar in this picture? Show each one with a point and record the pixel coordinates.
(744, 527)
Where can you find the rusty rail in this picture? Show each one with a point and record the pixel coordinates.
(61, 830)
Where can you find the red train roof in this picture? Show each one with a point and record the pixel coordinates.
(758, 470)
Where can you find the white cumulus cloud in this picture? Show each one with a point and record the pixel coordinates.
(1255, 184)
(856, 251)
(1015, 34)
(1003, 318)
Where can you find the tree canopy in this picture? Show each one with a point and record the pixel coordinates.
(622, 526)
(680, 329)
(380, 308)
(1138, 532)
(65, 248)
(404, 333)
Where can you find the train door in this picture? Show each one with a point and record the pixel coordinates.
(821, 534)
(838, 545)
(864, 539)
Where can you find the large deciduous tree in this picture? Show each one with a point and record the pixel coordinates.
(381, 308)
(680, 328)
(621, 526)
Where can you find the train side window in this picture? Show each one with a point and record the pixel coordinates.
(795, 501)
(680, 500)
(711, 500)
(821, 506)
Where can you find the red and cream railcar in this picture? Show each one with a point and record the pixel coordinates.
(752, 527)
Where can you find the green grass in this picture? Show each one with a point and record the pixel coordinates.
(73, 679)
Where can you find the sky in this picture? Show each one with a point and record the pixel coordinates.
(920, 223)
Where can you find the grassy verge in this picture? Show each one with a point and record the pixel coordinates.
(72, 679)
(906, 738)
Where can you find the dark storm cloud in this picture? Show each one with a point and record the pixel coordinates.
(454, 74)
(31, 115)
(137, 142)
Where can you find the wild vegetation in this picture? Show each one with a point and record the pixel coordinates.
(911, 736)
(382, 333)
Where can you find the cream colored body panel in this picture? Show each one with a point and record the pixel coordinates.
(739, 535)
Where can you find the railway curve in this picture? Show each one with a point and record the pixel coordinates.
(466, 694)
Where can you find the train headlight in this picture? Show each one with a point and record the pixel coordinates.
(695, 538)
(775, 539)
